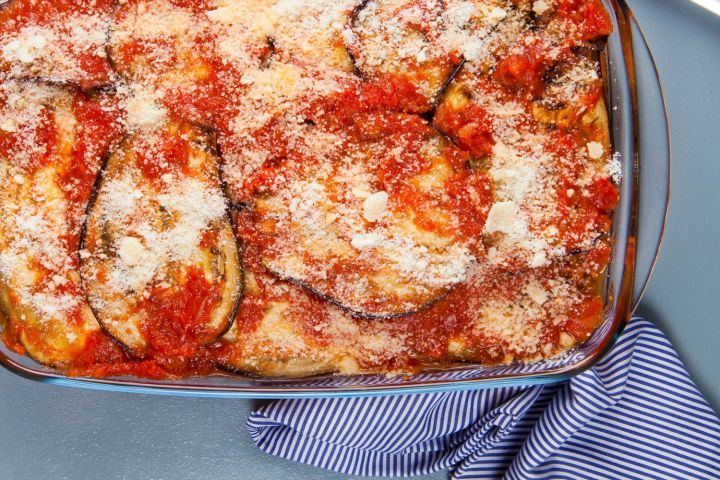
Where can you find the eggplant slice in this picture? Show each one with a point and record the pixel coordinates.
(266, 338)
(383, 224)
(273, 119)
(61, 42)
(48, 147)
(160, 263)
(395, 41)
(417, 46)
(283, 330)
(310, 32)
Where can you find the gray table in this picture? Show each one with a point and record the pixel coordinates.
(54, 433)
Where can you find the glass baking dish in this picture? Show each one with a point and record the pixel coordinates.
(639, 128)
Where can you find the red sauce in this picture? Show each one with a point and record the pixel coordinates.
(44, 135)
(604, 195)
(589, 16)
(585, 318)
(471, 127)
(98, 129)
(521, 72)
(472, 197)
(179, 317)
(394, 92)
(176, 336)
(94, 69)
(102, 357)
(27, 11)
(170, 155)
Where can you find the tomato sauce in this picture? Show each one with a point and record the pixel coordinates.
(14, 145)
(98, 131)
(176, 334)
(102, 357)
(589, 16)
(472, 127)
(170, 156)
(521, 72)
(178, 317)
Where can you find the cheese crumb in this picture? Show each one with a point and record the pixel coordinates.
(497, 14)
(374, 206)
(537, 293)
(143, 106)
(367, 240)
(539, 259)
(595, 150)
(26, 51)
(131, 250)
(614, 168)
(502, 218)
(540, 7)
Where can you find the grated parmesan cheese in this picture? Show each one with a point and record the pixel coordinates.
(614, 168)
(59, 48)
(541, 6)
(146, 248)
(375, 206)
(504, 217)
(25, 50)
(143, 106)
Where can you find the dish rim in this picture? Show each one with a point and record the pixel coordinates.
(624, 303)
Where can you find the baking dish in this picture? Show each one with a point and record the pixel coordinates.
(637, 227)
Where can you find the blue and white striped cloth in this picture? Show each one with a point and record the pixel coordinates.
(636, 414)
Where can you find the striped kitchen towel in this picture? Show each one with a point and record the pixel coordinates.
(636, 414)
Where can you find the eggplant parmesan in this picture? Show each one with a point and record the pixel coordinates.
(292, 188)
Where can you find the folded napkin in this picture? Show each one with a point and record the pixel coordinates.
(636, 414)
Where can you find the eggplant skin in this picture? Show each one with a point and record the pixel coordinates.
(270, 367)
(359, 312)
(54, 338)
(168, 247)
(278, 347)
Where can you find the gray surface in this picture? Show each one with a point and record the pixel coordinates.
(683, 295)
(55, 433)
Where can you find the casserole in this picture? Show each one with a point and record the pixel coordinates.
(622, 96)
